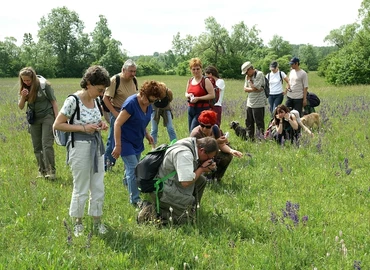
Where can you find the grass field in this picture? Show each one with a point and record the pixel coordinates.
(290, 207)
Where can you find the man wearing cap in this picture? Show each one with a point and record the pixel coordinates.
(297, 93)
(256, 101)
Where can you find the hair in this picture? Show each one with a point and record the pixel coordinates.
(209, 144)
(95, 75)
(195, 62)
(153, 88)
(208, 117)
(213, 71)
(128, 63)
(35, 84)
(278, 109)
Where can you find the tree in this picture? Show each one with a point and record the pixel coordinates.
(100, 38)
(307, 55)
(182, 47)
(279, 47)
(342, 36)
(9, 58)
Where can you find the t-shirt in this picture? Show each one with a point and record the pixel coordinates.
(298, 81)
(256, 99)
(87, 115)
(276, 84)
(220, 83)
(133, 130)
(125, 89)
(42, 105)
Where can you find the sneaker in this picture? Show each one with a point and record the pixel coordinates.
(40, 175)
(78, 229)
(100, 227)
(50, 176)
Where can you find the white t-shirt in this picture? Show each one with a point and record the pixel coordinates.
(220, 83)
(276, 84)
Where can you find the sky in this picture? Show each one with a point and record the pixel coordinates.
(146, 26)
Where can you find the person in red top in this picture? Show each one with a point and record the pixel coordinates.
(198, 98)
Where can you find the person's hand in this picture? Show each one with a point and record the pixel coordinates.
(236, 153)
(116, 151)
(222, 140)
(103, 125)
(24, 92)
(150, 139)
(209, 165)
(286, 116)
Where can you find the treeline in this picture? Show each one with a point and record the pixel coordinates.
(63, 50)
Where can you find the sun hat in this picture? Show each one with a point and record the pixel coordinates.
(245, 67)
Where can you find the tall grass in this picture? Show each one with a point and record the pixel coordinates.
(278, 207)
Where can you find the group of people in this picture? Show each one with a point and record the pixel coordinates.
(286, 118)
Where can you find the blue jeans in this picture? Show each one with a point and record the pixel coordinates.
(110, 142)
(170, 130)
(193, 114)
(274, 101)
(130, 165)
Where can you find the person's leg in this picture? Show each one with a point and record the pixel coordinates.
(271, 100)
(249, 123)
(196, 113)
(278, 100)
(36, 136)
(130, 165)
(108, 159)
(97, 190)
(259, 118)
(199, 187)
(222, 161)
(218, 110)
(298, 105)
(289, 103)
(190, 117)
(154, 128)
(48, 145)
(170, 129)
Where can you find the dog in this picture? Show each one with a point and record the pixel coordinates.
(311, 120)
(239, 130)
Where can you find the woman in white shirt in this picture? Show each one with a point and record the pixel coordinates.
(212, 73)
(276, 78)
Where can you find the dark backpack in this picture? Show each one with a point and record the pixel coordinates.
(313, 99)
(118, 81)
(266, 87)
(61, 137)
(213, 101)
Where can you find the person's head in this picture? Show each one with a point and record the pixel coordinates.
(195, 67)
(280, 111)
(211, 71)
(207, 119)
(274, 66)
(247, 68)
(294, 63)
(207, 148)
(129, 69)
(29, 80)
(152, 91)
(95, 80)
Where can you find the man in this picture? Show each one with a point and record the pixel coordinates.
(297, 93)
(256, 101)
(182, 193)
(114, 99)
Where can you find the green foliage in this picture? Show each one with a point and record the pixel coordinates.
(327, 176)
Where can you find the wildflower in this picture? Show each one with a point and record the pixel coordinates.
(171, 209)
(196, 258)
(340, 233)
(336, 239)
(327, 254)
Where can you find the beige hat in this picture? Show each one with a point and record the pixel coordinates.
(245, 67)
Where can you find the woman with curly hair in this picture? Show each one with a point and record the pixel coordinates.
(130, 130)
(208, 128)
(42, 102)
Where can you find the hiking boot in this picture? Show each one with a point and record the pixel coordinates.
(50, 176)
(147, 214)
(100, 227)
(78, 229)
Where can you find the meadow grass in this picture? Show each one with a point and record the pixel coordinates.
(300, 206)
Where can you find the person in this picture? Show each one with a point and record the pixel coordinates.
(256, 101)
(199, 92)
(163, 108)
(113, 99)
(190, 158)
(297, 92)
(85, 155)
(276, 78)
(209, 128)
(130, 130)
(212, 72)
(43, 103)
(286, 125)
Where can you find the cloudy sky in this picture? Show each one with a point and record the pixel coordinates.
(147, 26)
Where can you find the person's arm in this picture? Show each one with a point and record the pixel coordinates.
(123, 116)
(108, 104)
(207, 166)
(227, 149)
(55, 107)
(292, 121)
(305, 96)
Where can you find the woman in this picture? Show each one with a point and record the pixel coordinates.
(276, 78)
(208, 128)
(163, 108)
(212, 73)
(41, 100)
(199, 92)
(286, 125)
(86, 154)
(130, 130)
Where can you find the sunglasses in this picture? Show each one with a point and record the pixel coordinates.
(207, 127)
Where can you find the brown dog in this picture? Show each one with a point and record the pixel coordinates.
(311, 120)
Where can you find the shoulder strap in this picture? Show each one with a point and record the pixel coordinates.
(216, 131)
(135, 82)
(281, 77)
(99, 106)
(268, 76)
(118, 81)
(73, 115)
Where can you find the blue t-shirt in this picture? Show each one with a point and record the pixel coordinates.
(133, 130)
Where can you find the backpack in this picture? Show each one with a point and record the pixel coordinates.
(61, 137)
(118, 81)
(313, 99)
(266, 87)
(146, 171)
(213, 101)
